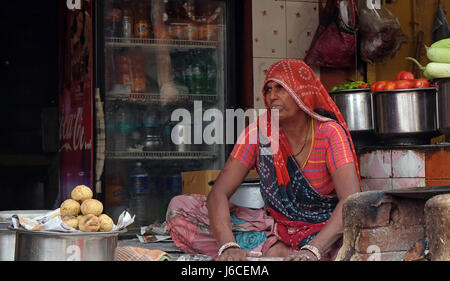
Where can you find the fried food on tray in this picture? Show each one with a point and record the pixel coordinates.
(89, 223)
(92, 206)
(106, 223)
(70, 207)
(81, 193)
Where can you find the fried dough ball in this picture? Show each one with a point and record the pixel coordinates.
(79, 218)
(89, 223)
(71, 221)
(106, 223)
(81, 193)
(92, 206)
(70, 207)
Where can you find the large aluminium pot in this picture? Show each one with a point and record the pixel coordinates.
(405, 114)
(248, 195)
(55, 246)
(356, 108)
(443, 97)
(7, 236)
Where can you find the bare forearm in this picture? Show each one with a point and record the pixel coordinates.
(331, 232)
(219, 217)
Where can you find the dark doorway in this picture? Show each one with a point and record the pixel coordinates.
(29, 106)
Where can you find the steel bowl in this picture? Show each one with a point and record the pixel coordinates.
(8, 237)
(443, 101)
(356, 108)
(409, 113)
(56, 246)
(248, 195)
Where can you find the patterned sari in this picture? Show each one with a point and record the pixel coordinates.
(297, 211)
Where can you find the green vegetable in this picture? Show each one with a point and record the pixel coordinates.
(444, 43)
(434, 69)
(438, 54)
(347, 86)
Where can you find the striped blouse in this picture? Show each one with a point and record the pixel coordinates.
(330, 150)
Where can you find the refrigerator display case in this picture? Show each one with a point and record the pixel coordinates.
(162, 67)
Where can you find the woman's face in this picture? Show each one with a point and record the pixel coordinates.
(277, 98)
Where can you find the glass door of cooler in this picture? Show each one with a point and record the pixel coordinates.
(164, 68)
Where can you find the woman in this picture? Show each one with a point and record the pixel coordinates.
(306, 173)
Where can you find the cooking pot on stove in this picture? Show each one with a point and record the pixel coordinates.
(356, 108)
(408, 113)
(443, 100)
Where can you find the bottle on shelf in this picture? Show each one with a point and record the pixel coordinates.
(139, 199)
(114, 20)
(125, 127)
(124, 70)
(188, 71)
(142, 27)
(211, 73)
(114, 188)
(139, 79)
(198, 71)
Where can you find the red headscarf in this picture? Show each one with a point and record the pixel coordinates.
(308, 92)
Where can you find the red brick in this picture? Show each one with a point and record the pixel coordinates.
(437, 163)
(434, 182)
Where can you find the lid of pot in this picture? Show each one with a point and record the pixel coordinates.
(5, 216)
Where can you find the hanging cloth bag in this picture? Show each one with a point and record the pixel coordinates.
(335, 43)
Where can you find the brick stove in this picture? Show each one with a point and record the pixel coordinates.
(384, 226)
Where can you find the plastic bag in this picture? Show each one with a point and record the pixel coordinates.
(335, 41)
(380, 35)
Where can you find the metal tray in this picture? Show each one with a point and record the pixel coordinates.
(420, 192)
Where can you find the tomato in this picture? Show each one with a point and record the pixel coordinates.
(372, 87)
(363, 85)
(389, 86)
(405, 75)
(404, 84)
(380, 86)
(421, 83)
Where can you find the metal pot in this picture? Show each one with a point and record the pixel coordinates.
(55, 246)
(8, 237)
(7, 243)
(443, 100)
(409, 113)
(248, 195)
(356, 108)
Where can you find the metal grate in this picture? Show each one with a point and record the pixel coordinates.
(160, 155)
(156, 43)
(146, 98)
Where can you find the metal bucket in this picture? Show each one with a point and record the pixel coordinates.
(356, 108)
(248, 195)
(7, 243)
(409, 113)
(53, 246)
(443, 100)
(8, 237)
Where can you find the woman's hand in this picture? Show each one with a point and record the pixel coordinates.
(234, 254)
(302, 255)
